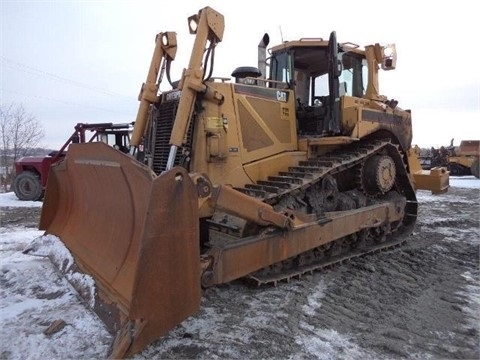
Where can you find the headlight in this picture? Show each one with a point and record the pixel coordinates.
(388, 51)
(165, 40)
(193, 24)
(389, 57)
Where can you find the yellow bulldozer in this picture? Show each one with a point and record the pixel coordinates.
(297, 164)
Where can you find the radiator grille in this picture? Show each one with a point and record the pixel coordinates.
(164, 117)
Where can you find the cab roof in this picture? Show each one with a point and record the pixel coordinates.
(318, 43)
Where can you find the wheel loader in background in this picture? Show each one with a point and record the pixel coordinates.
(269, 177)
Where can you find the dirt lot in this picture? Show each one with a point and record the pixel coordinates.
(20, 216)
(421, 300)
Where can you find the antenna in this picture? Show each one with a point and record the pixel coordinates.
(281, 34)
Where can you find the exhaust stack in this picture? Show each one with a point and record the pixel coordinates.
(262, 55)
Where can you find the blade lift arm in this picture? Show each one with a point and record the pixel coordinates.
(208, 26)
(163, 55)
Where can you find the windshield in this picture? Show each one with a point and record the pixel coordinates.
(280, 69)
(354, 75)
(310, 73)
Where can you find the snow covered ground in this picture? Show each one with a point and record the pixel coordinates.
(9, 199)
(34, 294)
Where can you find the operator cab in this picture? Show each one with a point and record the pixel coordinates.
(320, 72)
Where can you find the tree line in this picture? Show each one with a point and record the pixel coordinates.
(20, 132)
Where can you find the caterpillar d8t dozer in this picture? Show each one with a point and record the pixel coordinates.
(268, 177)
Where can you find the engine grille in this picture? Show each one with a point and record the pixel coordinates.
(164, 117)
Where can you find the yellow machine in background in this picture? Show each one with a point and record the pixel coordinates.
(298, 164)
(435, 179)
(464, 159)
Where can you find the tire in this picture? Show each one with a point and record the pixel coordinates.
(475, 169)
(27, 186)
(455, 170)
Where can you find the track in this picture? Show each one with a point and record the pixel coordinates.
(303, 186)
(286, 273)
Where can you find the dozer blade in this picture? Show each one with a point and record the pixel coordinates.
(136, 234)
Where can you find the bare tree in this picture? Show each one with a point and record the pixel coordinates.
(20, 131)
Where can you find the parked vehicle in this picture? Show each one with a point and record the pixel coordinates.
(32, 171)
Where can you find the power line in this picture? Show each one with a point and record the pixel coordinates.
(60, 101)
(15, 65)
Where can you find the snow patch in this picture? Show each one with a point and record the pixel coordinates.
(13, 310)
(328, 344)
(468, 182)
(9, 199)
(472, 294)
(425, 196)
(313, 300)
(52, 247)
(32, 296)
(17, 239)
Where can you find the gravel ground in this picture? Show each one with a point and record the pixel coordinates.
(417, 301)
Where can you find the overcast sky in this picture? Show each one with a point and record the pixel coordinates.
(84, 61)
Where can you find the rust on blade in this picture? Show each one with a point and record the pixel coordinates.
(115, 216)
(97, 211)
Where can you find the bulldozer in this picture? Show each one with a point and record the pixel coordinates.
(297, 164)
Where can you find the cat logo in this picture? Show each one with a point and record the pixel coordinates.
(282, 96)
